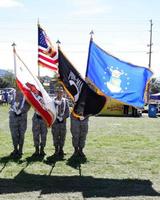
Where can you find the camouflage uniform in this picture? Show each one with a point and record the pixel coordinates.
(39, 129)
(18, 121)
(79, 130)
(59, 127)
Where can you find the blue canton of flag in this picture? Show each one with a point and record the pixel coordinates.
(115, 78)
(41, 39)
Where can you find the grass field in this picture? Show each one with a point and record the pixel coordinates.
(123, 162)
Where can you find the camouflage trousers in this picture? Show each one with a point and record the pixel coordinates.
(18, 126)
(39, 129)
(59, 133)
(79, 130)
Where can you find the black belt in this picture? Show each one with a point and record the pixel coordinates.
(59, 122)
(18, 115)
(38, 116)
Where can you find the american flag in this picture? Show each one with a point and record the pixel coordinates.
(47, 55)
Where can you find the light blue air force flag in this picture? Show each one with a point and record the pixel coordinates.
(115, 78)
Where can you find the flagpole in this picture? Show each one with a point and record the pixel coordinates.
(58, 44)
(91, 39)
(25, 65)
(58, 47)
(34, 77)
(38, 25)
(91, 35)
(14, 58)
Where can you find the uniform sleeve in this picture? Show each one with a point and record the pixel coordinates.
(26, 107)
(66, 113)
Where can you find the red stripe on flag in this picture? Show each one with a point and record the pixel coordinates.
(46, 115)
(50, 60)
(47, 66)
(50, 54)
(53, 54)
(42, 50)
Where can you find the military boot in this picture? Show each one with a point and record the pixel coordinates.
(36, 153)
(42, 153)
(61, 152)
(14, 153)
(56, 150)
(20, 152)
(81, 153)
(76, 152)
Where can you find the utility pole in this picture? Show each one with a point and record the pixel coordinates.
(150, 44)
(149, 63)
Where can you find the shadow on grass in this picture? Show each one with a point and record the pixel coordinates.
(87, 185)
(34, 158)
(51, 160)
(75, 162)
(6, 159)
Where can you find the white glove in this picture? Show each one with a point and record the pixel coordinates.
(81, 118)
(18, 112)
(58, 102)
(16, 104)
(60, 119)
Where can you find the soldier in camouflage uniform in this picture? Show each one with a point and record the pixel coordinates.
(18, 121)
(59, 126)
(39, 129)
(79, 130)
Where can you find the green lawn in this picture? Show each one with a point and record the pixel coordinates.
(123, 162)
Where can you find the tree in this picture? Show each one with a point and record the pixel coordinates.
(3, 83)
(7, 81)
(154, 85)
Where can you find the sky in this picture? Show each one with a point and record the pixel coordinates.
(121, 27)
